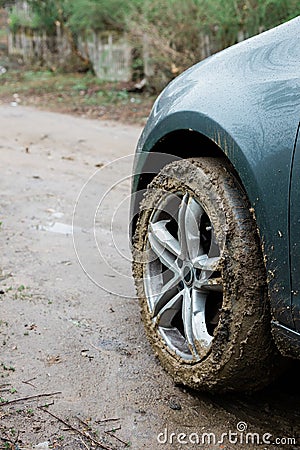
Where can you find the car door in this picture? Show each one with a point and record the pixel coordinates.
(295, 232)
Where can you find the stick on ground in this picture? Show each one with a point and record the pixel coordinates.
(30, 397)
(86, 435)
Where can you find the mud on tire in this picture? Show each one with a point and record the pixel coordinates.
(216, 335)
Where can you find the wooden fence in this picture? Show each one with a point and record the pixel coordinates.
(110, 54)
(38, 48)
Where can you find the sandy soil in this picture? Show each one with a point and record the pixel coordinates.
(82, 341)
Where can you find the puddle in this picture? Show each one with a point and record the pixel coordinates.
(61, 228)
(57, 227)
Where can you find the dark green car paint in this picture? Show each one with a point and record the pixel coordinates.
(294, 233)
(246, 100)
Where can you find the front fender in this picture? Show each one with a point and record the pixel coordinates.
(264, 174)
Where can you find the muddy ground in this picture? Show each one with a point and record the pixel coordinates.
(64, 335)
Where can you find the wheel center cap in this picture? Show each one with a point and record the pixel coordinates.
(188, 274)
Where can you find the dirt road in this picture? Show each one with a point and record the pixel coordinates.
(82, 341)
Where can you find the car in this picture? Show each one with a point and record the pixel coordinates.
(215, 216)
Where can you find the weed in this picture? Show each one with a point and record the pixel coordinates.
(9, 368)
(2, 322)
(76, 93)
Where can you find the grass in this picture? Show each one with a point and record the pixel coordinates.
(80, 94)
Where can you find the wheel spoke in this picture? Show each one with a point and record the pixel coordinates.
(204, 262)
(210, 284)
(187, 319)
(168, 291)
(181, 227)
(200, 332)
(214, 245)
(165, 256)
(159, 232)
(168, 312)
(193, 216)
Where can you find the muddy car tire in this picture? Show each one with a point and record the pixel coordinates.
(201, 281)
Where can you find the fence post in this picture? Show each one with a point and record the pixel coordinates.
(148, 66)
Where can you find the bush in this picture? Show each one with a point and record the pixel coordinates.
(178, 34)
(168, 35)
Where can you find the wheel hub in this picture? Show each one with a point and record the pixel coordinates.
(188, 274)
(177, 280)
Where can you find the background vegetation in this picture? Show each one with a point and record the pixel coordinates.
(173, 27)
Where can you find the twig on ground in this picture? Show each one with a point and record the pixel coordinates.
(28, 382)
(5, 387)
(86, 435)
(48, 404)
(116, 437)
(82, 441)
(107, 420)
(30, 397)
(84, 423)
(112, 430)
(97, 348)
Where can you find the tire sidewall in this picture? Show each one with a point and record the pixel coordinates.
(244, 317)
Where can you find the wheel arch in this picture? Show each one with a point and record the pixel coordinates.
(185, 135)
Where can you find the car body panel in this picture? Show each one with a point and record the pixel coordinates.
(287, 340)
(246, 99)
(294, 234)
